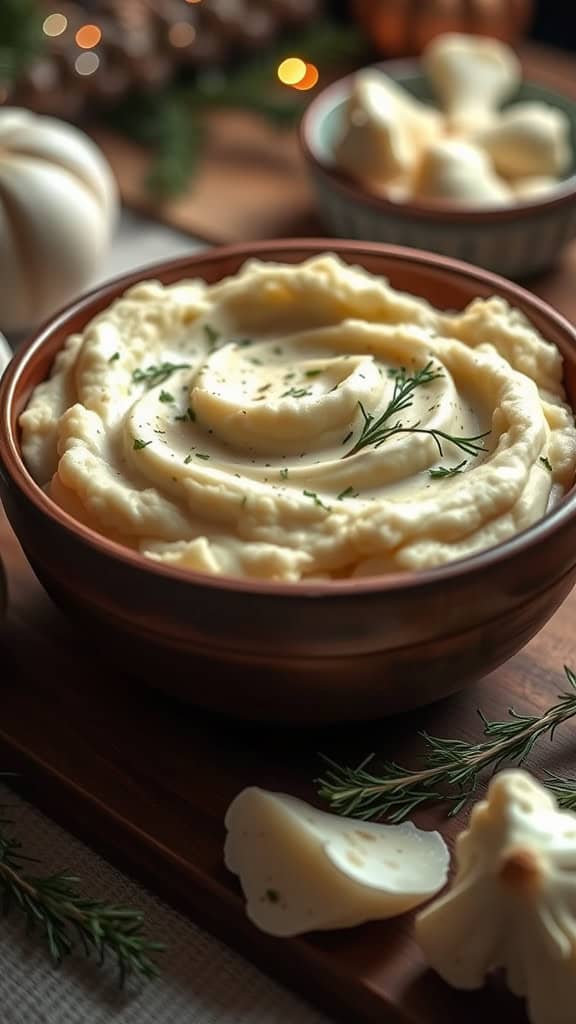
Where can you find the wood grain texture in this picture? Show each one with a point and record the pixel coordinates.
(147, 782)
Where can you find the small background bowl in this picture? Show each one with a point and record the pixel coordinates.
(309, 652)
(5, 357)
(516, 241)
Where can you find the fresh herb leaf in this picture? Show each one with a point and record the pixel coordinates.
(54, 907)
(138, 444)
(201, 455)
(376, 431)
(284, 473)
(165, 396)
(348, 436)
(442, 472)
(312, 373)
(188, 415)
(212, 335)
(188, 460)
(348, 493)
(546, 463)
(154, 375)
(114, 357)
(296, 393)
(316, 500)
(452, 769)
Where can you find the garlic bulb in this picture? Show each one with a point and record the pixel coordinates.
(304, 870)
(457, 170)
(529, 139)
(384, 129)
(471, 76)
(512, 904)
(58, 204)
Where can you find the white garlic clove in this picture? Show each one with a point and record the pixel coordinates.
(534, 188)
(457, 171)
(384, 129)
(529, 139)
(512, 904)
(304, 870)
(58, 205)
(472, 76)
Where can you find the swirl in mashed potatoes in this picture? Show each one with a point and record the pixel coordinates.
(225, 428)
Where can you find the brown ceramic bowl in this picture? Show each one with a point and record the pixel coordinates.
(517, 240)
(306, 652)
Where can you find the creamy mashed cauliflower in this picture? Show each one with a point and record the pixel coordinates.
(302, 421)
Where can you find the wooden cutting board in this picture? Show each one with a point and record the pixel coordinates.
(147, 783)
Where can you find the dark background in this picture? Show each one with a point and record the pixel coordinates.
(554, 23)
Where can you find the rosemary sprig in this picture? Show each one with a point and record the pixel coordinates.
(451, 769)
(443, 472)
(375, 431)
(154, 375)
(54, 907)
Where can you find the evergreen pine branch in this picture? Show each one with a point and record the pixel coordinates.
(20, 37)
(452, 769)
(54, 907)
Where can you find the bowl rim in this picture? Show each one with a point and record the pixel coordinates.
(15, 473)
(440, 211)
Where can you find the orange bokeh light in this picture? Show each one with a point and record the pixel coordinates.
(88, 36)
(309, 79)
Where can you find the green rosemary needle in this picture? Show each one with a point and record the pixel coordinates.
(154, 375)
(451, 770)
(443, 472)
(54, 907)
(376, 431)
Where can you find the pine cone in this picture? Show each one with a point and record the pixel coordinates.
(143, 44)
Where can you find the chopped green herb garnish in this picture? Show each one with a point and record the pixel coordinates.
(316, 500)
(138, 444)
(212, 335)
(546, 463)
(243, 502)
(348, 493)
(348, 436)
(188, 415)
(254, 361)
(284, 473)
(265, 387)
(154, 375)
(200, 455)
(244, 342)
(272, 895)
(442, 472)
(296, 393)
(188, 459)
(114, 357)
(165, 396)
(312, 373)
(277, 350)
(375, 431)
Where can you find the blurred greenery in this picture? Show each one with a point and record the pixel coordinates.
(20, 36)
(171, 122)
